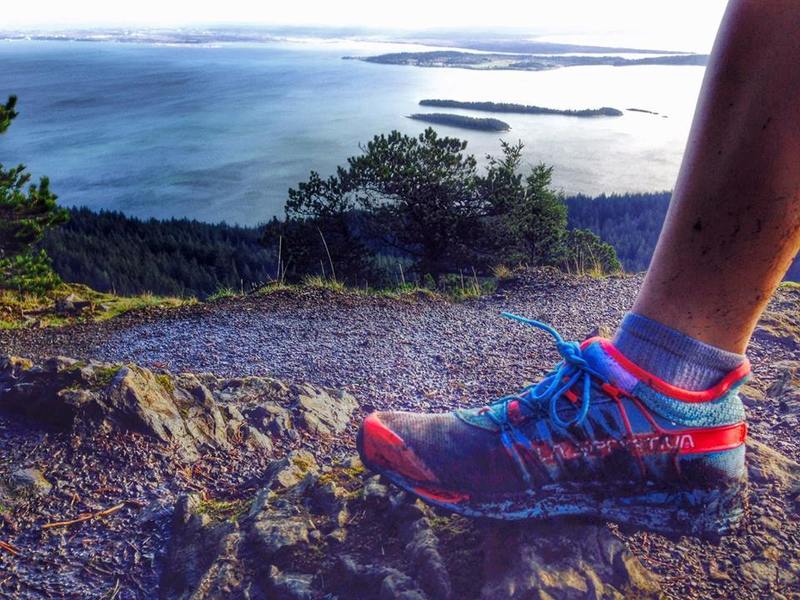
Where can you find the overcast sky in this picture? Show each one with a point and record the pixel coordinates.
(673, 24)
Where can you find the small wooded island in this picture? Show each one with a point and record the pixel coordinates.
(481, 124)
(525, 109)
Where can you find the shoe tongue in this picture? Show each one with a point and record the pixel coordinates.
(596, 357)
(480, 416)
(601, 361)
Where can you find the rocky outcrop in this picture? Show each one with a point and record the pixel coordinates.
(317, 531)
(186, 411)
(314, 531)
(551, 560)
(274, 404)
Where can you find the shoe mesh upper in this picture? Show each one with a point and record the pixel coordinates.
(467, 452)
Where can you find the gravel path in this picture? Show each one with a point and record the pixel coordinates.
(415, 353)
(422, 353)
(418, 353)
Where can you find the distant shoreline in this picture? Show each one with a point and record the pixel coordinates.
(222, 33)
(464, 122)
(487, 61)
(524, 109)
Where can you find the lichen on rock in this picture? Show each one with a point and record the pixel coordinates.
(186, 411)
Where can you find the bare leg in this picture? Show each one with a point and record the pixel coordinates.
(733, 226)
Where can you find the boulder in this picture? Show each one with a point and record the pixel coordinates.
(324, 413)
(290, 586)
(256, 440)
(276, 533)
(291, 470)
(423, 552)
(271, 418)
(330, 499)
(203, 418)
(202, 556)
(39, 391)
(355, 579)
(376, 494)
(138, 401)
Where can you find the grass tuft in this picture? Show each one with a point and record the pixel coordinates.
(166, 382)
(324, 283)
(20, 310)
(222, 293)
(502, 273)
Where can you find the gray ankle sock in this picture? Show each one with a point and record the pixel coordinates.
(672, 356)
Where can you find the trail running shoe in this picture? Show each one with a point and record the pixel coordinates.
(598, 436)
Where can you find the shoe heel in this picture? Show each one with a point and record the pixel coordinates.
(708, 513)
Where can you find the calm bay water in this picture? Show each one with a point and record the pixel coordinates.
(220, 133)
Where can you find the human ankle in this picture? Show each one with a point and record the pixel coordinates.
(678, 359)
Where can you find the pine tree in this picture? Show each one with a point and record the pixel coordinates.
(7, 113)
(25, 215)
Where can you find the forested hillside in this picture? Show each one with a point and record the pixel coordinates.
(407, 209)
(112, 252)
(629, 222)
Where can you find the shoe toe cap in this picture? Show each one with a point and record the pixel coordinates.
(382, 447)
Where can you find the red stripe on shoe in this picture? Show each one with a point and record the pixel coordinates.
(714, 439)
(668, 389)
(514, 412)
(711, 439)
(441, 495)
(687, 441)
(385, 448)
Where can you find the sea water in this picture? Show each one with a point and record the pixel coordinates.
(220, 132)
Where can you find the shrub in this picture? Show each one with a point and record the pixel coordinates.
(421, 201)
(587, 254)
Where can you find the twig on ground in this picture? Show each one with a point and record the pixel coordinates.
(13, 550)
(86, 517)
(114, 591)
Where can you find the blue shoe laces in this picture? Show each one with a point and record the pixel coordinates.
(573, 369)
